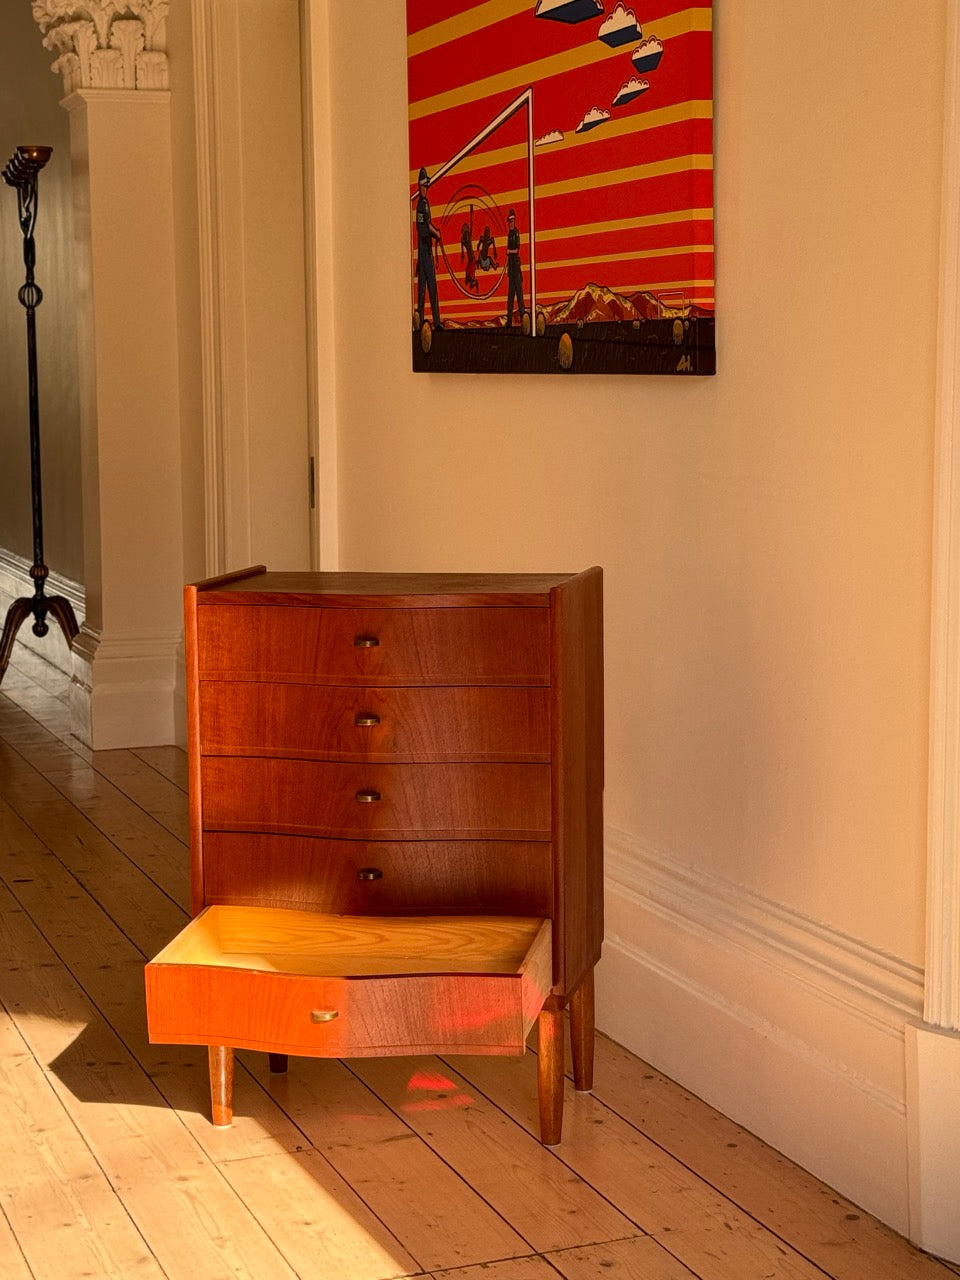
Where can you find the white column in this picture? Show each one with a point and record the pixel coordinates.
(125, 659)
(253, 304)
(933, 1047)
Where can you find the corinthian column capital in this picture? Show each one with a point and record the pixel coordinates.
(106, 44)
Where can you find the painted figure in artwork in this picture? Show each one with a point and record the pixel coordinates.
(514, 276)
(466, 251)
(487, 251)
(426, 269)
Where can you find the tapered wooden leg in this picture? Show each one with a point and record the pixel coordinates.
(221, 1084)
(278, 1063)
(582, 1033)
(550, 1073)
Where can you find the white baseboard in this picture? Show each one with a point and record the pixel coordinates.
(789, 1027)
(15, 581)
(126, 692)
(933, 1088)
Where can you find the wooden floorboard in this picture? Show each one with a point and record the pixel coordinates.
(364, 1170)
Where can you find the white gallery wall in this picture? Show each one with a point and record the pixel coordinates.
(766, 541)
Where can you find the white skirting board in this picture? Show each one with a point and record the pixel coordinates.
(124, 692)
(787, 1026)
(15, 581)
(933, 1109)
(128, 692)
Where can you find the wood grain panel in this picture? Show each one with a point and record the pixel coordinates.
(334, 945)
(442, 801)
(636, 1258)
(191, 643)
(321, 722)
(414, 646)
(577, 761)
(493, 876)
(441, 1220)
(250, 978)
(428, 1013)
(385, 590)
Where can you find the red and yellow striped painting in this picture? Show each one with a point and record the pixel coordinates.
(589, 120)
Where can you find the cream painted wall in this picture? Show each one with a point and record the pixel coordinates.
(29, 113)
(765, 534)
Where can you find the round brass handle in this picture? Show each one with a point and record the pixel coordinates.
(366, 642)
(369, 873)
(363, 718)
(367, 797)
(323, 1015)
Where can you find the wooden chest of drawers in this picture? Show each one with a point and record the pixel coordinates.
(396, 820)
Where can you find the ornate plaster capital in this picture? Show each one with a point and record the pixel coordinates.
(106, 44)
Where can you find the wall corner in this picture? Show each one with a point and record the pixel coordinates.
(933, 1138)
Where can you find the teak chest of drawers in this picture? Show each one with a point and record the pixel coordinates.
(396, 820)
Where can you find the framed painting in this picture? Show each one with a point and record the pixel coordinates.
(561, 186)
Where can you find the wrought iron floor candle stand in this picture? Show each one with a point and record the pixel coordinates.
(21, 172)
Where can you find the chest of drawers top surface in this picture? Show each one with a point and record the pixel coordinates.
(384, 590)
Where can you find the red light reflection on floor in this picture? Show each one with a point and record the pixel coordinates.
(434, 1082)
(429, 1080)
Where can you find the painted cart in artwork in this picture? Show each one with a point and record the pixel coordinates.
(561, 186)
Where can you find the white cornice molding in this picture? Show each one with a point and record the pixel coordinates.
(106, 44)
(942, 988)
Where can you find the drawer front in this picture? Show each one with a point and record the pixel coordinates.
(409, 1014)
(329, 722)
(379, 877)
(338, 985)
(375, 646)
(377, 801)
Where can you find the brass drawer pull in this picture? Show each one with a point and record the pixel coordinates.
(367, 797)
(366, 642)
(323, 1015)
(364, 718)
(369, 873)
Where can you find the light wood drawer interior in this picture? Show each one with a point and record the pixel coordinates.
(379, 877)
(331, 722)
(333, 986)
(385, 801)
(374, 646)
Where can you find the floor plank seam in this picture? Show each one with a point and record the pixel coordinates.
(456, 1172)
(138, 752)
(49, 1078)
(118, 1032)
(789, 1248)
(743, 1208)
(78, 882)
(65, 798)
(30, 1271)
(103, 772)
(557, 1151)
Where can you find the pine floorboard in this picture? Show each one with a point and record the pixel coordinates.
(371, 1169)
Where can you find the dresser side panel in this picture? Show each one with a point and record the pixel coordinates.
(577, 791)
(194, 747)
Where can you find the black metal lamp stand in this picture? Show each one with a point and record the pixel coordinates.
(21, 172)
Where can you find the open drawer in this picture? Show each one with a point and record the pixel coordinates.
(306, 983)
